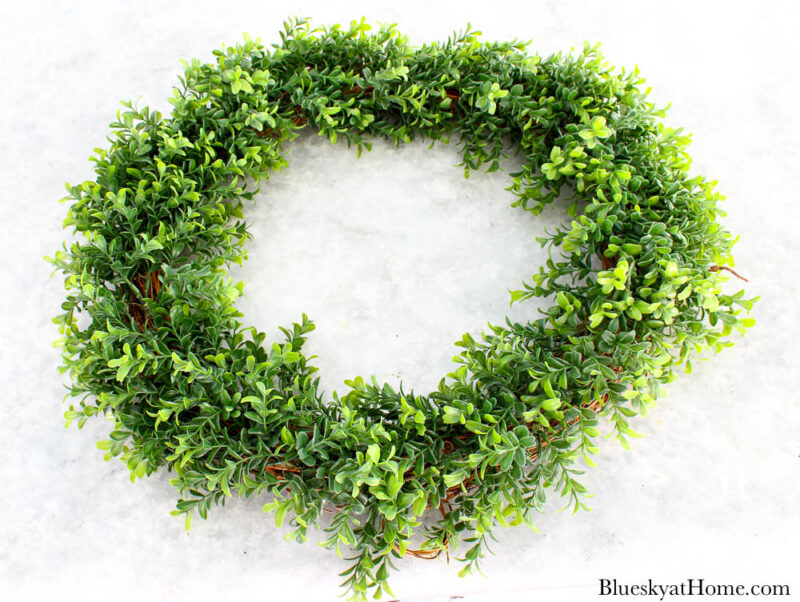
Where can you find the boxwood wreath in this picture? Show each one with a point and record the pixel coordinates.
(152, 337)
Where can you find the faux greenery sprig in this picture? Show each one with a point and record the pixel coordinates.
(152, 337)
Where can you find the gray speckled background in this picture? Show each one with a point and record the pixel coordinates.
(395, 256)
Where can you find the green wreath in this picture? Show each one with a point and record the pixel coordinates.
(152, 337)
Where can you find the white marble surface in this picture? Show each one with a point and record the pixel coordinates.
(394, 256)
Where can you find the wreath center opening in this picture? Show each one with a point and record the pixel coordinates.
(394, 255)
